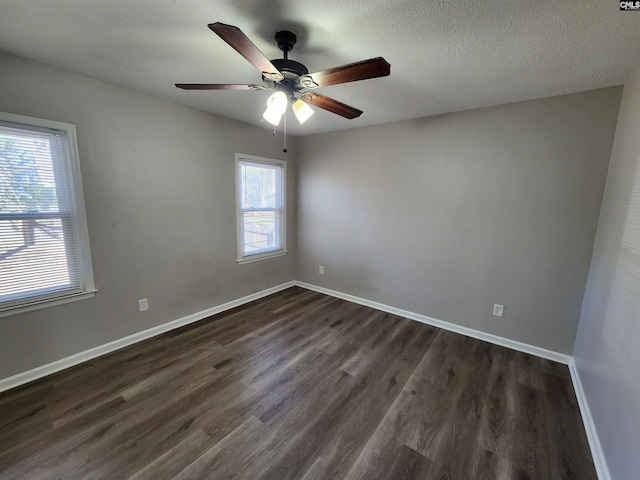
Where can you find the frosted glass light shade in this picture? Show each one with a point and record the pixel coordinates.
(272, 116)
(302, 111)
(276, 106)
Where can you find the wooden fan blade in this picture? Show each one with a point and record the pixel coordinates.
(217, 86)
(372, 68)
(241, 43)
(333, 106)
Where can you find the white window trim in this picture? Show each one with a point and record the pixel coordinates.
(241, 260)
(80, 229)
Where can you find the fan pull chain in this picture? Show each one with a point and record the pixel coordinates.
(285, 133)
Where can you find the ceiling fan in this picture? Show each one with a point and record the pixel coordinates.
(291, 80)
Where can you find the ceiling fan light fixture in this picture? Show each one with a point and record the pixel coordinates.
(276, 106)
(302, 111)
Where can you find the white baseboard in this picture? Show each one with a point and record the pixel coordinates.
(452, 327)
(38, 372)
(56, 366)
(592, 435)
(53, 367)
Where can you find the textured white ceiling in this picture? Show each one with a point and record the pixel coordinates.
(445, 56)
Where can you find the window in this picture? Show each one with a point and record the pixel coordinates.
(44, 244)
(261, 207)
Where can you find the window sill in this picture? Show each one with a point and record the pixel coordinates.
(261, 256)
(52, 302)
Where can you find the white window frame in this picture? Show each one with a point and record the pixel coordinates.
(241, 258)
(77, 216)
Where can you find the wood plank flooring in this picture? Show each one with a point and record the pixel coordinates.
(299, 385)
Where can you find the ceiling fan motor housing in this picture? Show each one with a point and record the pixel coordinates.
(290, 69)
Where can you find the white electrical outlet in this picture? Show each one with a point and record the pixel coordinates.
(143, 304)
(498, 310)
(321, 270)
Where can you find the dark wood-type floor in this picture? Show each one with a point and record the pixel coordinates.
(299, 385)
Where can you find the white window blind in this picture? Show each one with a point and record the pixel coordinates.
(261, 207)
(44, 254)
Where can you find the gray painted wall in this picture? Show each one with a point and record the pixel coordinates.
(159, 190)
(445, 216)
(607, 349)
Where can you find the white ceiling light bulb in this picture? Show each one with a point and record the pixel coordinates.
(276, 106)
(302, 111)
